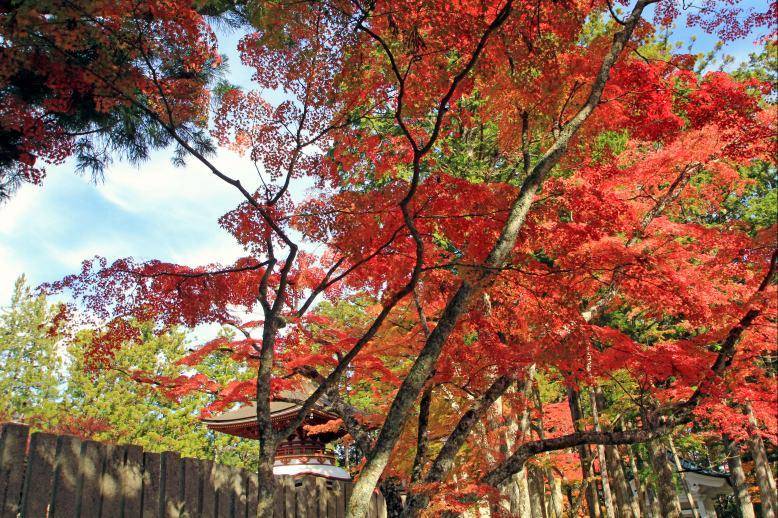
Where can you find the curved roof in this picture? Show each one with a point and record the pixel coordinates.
(248, 413)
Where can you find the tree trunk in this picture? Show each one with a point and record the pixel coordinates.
(626, 502)
(764, 477)
(553, 505)
(653, 502)
(640, 489)
(585, 455)
(520, 504)
(763, 471)
(569, 495)
(537, 493)
(268, 440)
(392, 489)
(669, 505)
(517, 488)
(557, 499)
(267, 489)
(684, 483)
(624, 495)
(738, 477)
(606, 487)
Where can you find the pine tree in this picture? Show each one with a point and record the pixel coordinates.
(29, 356)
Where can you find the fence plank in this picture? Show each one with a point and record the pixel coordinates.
(91, 479)
(92, 460)
(279, 498)
(333, 494)
(110, 483)
(13, 443)
(344, 492)
(39, 478)
(65, 496)
(300, 498)
(152, 485)
(172, 494)
(224, 494)
(239, 481)
(311, 495)
(252, 495)
(347, 487)
(193, 480)
(132, 483)
(321, 497)
(209, 490)
(290, 497)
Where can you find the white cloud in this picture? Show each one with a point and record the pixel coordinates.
(155, 211)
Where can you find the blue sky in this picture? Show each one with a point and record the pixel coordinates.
(154, 211)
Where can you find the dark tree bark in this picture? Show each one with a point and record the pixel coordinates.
(667, 495)
(391, 489)
(444, 461)
(738, 477)
(584, 454)
(764, 477)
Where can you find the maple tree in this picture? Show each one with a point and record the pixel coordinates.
(497, 187)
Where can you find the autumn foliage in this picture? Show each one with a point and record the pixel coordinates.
(417, 127)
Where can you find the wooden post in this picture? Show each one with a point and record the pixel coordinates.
(280, 498)
(39, 478)
(288, 498)
(310, 497)
(132, 482)
(208, 504)
(252, 495)
(323, 493)
(152, 485)
(110, 485)
(239, 489)
(193, 481)
(92, 460)
(224, 493)
(343, 494)
(13, 443)
(172, 484)
(66, 478)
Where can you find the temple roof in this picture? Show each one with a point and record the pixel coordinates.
(690, 467)
(242, 421)
(248, 413)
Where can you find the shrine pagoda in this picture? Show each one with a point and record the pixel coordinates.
(301, 453)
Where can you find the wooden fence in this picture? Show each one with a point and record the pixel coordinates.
(61, 476)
